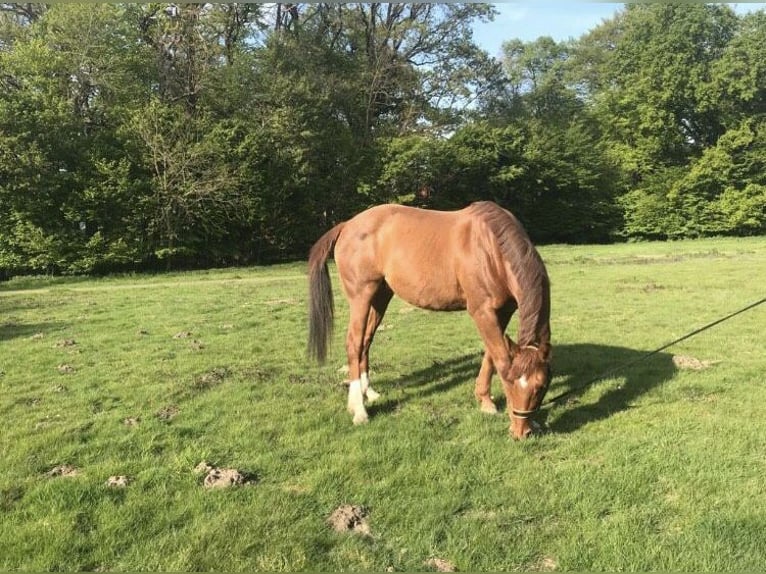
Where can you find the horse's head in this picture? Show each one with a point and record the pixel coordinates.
(530, 376)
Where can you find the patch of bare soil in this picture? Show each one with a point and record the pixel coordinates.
(349, 518)
(183, 335)
(440, 565)
(649, 287)
(690, 363)
(168, 413)
(222, 477)
(65, 343)
(545, 564)
(298, 379)
(212, 377)
(65, 369)
(119, 481)
(64, 470)
(37, 336)
(131, 421)
(203, 468)
(197, 345)
(258, 374)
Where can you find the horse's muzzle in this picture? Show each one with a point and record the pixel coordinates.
(521, 426)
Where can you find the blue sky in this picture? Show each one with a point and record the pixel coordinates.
(559, 19)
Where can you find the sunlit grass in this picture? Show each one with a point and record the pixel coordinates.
(652, 468)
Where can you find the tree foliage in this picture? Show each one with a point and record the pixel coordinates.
(162, 135)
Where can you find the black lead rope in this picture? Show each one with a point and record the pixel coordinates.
(648, 354)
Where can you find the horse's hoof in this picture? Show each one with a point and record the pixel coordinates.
(488, 407)
(372, 396)
(360, 418)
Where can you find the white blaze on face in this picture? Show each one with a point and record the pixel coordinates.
(523, 382)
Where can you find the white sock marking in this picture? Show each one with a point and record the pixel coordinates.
(367, 390)
(356, 402)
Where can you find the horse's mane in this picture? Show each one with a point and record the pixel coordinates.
(527, 267)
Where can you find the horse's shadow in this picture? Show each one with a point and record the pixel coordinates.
(576, 368)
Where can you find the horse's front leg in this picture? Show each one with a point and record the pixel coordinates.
(494, 340)
(484, 379)
(483, 385)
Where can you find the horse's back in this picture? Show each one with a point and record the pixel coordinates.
(387, 234)
(421, 254)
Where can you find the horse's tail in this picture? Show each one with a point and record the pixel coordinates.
(321, 307)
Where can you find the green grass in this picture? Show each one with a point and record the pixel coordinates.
(655, 468)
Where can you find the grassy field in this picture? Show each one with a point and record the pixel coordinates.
(660, 467)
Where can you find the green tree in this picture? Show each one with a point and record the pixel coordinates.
(657, 80)
(551, 168)
(65, 77)
(738, 84)
(354, 78)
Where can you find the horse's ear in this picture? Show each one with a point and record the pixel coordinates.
(513, 348)
(545, 352)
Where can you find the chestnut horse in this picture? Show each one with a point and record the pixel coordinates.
(479, 259)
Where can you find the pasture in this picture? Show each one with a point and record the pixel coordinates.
(658, 467)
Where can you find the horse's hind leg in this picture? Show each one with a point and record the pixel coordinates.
(360, 306)
(380, 302)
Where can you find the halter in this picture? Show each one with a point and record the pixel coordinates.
(523, 414)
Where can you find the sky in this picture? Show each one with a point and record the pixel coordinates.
(528, 20)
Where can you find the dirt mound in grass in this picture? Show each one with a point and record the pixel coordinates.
(120, 481)
(440, 565)
(168, 413)
(65, 470)
(349, 518)
(545, 564)
(691, 363)
(212, 378)
(222, 477)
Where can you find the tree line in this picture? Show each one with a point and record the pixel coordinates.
(153, 136)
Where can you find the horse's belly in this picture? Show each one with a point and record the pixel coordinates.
(435, 293)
